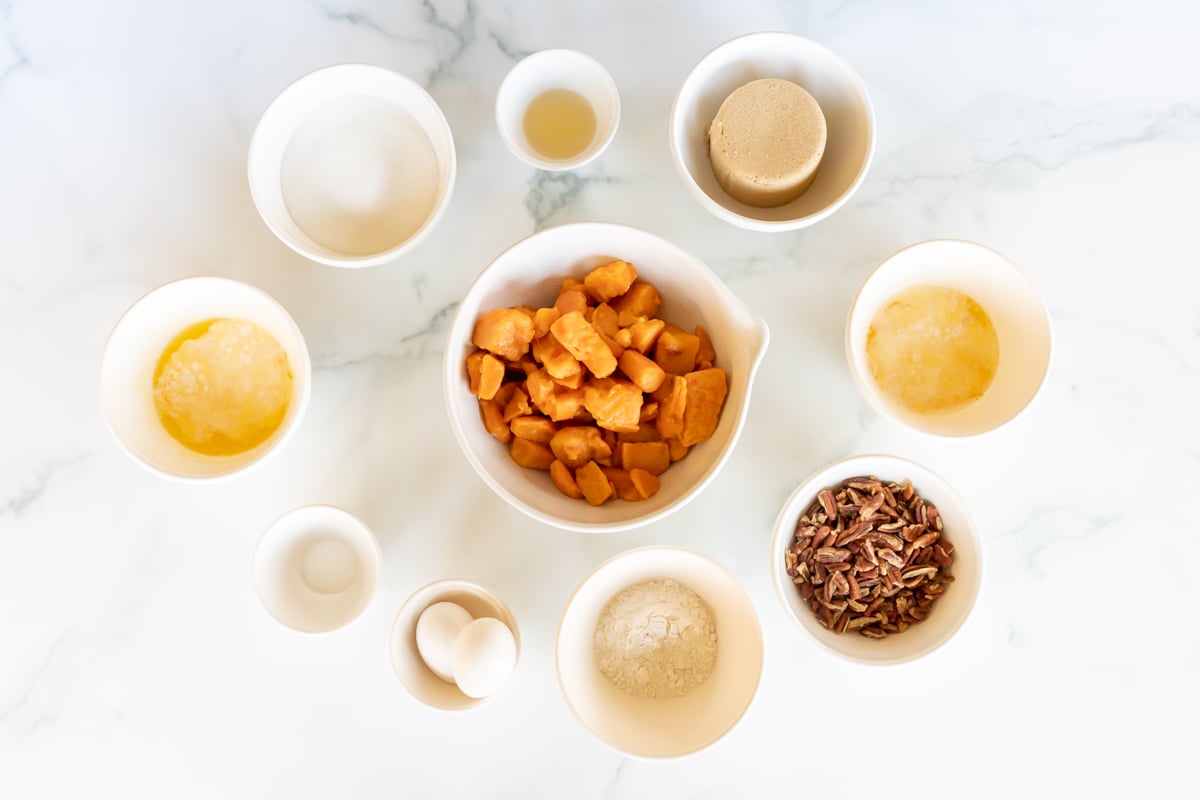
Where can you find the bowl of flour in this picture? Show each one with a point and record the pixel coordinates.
(352, 165)
(659, 652)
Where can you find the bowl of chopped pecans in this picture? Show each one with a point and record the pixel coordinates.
(878, 559)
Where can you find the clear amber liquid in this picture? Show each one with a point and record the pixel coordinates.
(221, 397)
(932, 349)
(560, 124)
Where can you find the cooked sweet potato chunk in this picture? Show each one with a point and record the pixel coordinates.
(644, 373)
(565, 404)
(505, 332)
(577, 446)
(641, 300)
(555, 358)
(672, 397)
(493, 420)
(540, 387)
(564, 480)
(474, 367)
(574, 382)
(706, 390)
(644, 335)
(604, 319)
(491, 375)
(533, 427)
(676, 351)
(572, 298)
(706, 352)
(654, 457)
(649, 412)
(644, 483)
(543, 318)
(610, 280)
(677, 449)
(583, 342)
(593, 483)
(529, 454)
(645, 433)
(615, 404)
(621, 482)
(518, 405)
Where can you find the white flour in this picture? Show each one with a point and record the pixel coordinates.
(656, 639)
(359, 175)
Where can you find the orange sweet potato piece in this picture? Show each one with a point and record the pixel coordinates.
(645, 374)
(621, 482)
(474, 367)
(604, 319)
(565, 404)
(555, 358)
(614, 346)
(649, 412)
(518, 405)
(615, 404)
(564, 480)
(578, 445)
(574, 382)
(505, 332)
(531, 455)
(572, 298)
(491, 375)
(624, 338)
(644, 433)
(644, 483)
(676, 351)
(543, 318)
(583, 342)
(678, 450)
(672, 398)
(533, 427)
(593, 483)
(610, 280)
(493, 420)
(540, 387)
(706, 351)
(706, 390)
(654, 457)
(642, 300)
(644, 335)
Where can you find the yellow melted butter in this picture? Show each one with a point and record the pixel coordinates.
(222, 387)
(932, 349)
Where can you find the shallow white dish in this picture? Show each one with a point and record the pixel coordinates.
(133, 352)
(557, 69)
(838, 90)
(658, 729)
(316, 568)
(1021, 320)
(531, 272)
(950, 611)
(420, 681)
(311, 96)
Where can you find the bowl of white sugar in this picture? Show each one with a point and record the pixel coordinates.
(352, 165)
(659, 652)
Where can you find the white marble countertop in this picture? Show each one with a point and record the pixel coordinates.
(135, 660)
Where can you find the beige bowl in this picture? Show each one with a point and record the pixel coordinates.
(1021, 320)
(660, 728)
(531, 272)
(949, 612)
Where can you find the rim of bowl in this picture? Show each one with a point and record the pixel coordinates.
(392, 253)
(872, 396)
(450, 367)
(667, 548)
(568, 164)
(350, 518)
(782, 532)
(469, 587)
(772, 226)
(284, 437)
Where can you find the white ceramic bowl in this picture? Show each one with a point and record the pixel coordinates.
(316, 568)
(676, 726)
(557, 69)
(1021, 320)
(531, 272)
(133, 352)
(951, 609)
(835, 85)
(420, 681)
(316, 98)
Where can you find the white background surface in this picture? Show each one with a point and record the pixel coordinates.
(135, 660)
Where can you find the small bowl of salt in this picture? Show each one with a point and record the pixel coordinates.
(659, 652)
(352, 165)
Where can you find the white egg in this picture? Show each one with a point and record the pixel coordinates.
(485, 654)
(437, 628)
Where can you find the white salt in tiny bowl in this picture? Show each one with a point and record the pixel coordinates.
(137, 343)
(834, 84)
(420, 681)
(1010, 300)
(949, 612)
(557, 69)
(663, 728)
(316, 568)
(352, 165)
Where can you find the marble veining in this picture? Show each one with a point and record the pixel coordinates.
(135, 660)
